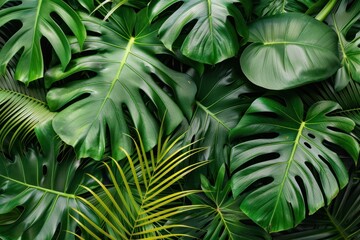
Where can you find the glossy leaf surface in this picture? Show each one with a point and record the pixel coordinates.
(273, 7)
(222, 98)
(220, 216)
(289, 50)
(342, 21)
(129, 81)
(141, 195)
(213, 38)
(284, 162)
(37, 21)
(44, 189)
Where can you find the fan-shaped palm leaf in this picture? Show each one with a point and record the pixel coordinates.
(283, 164)
(141, 197)
(43, 184)
(37, 21)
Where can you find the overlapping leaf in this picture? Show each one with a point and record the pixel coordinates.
(290, 50)
(273, 7)
(141, 198)
(213, 38)
(44, 189)
(223, 96)
(21, 109)
(283, 165)
(129, 81)
(220, 216)
(346, 15)
(340, 220)
(37, 21)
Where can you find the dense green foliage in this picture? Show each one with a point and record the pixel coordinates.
(179, 119)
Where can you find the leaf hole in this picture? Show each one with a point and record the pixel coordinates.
(44, 170)
(260, 159)
(307, 145)
(316, 176)
(324, 160)
(270, 135)
(258, 184)
(310, 135)
(301, 185)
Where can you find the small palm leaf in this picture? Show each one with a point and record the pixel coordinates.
(21, 109)
(345, 16)
(129, 81)
(213, 38)
(341, 220)
(44, 186)
(37, 22)
(141, 196)
(283, 164)
(220, 217)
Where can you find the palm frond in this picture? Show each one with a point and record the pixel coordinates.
(142, 197)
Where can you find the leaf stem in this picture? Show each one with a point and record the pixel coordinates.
(326, 10)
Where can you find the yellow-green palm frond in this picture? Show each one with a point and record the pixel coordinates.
(22, 108)
(143, 195)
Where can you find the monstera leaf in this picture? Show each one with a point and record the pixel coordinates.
(223, 96)
(285, 162)
(213, 38)
(219, 217)
(342, 21)
(273, 7)
(129, 81)
(340, 220)
(291, 49)
(44, 187)
(37, 21)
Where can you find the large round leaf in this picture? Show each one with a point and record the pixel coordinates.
(283, 164)
(44, 185)
(289, 50)
(129, 81)
(37, 18)
(213, 38)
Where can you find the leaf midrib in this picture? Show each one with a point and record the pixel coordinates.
(206, 110)
(46, 190)
(291, 159)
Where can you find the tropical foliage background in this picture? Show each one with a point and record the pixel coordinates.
(179, 119)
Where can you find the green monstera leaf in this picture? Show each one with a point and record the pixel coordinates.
(291, 49)
(39, 190)
(342, 21)
(285, 162)
(213, 38)
(129, 81)
(37, 21)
